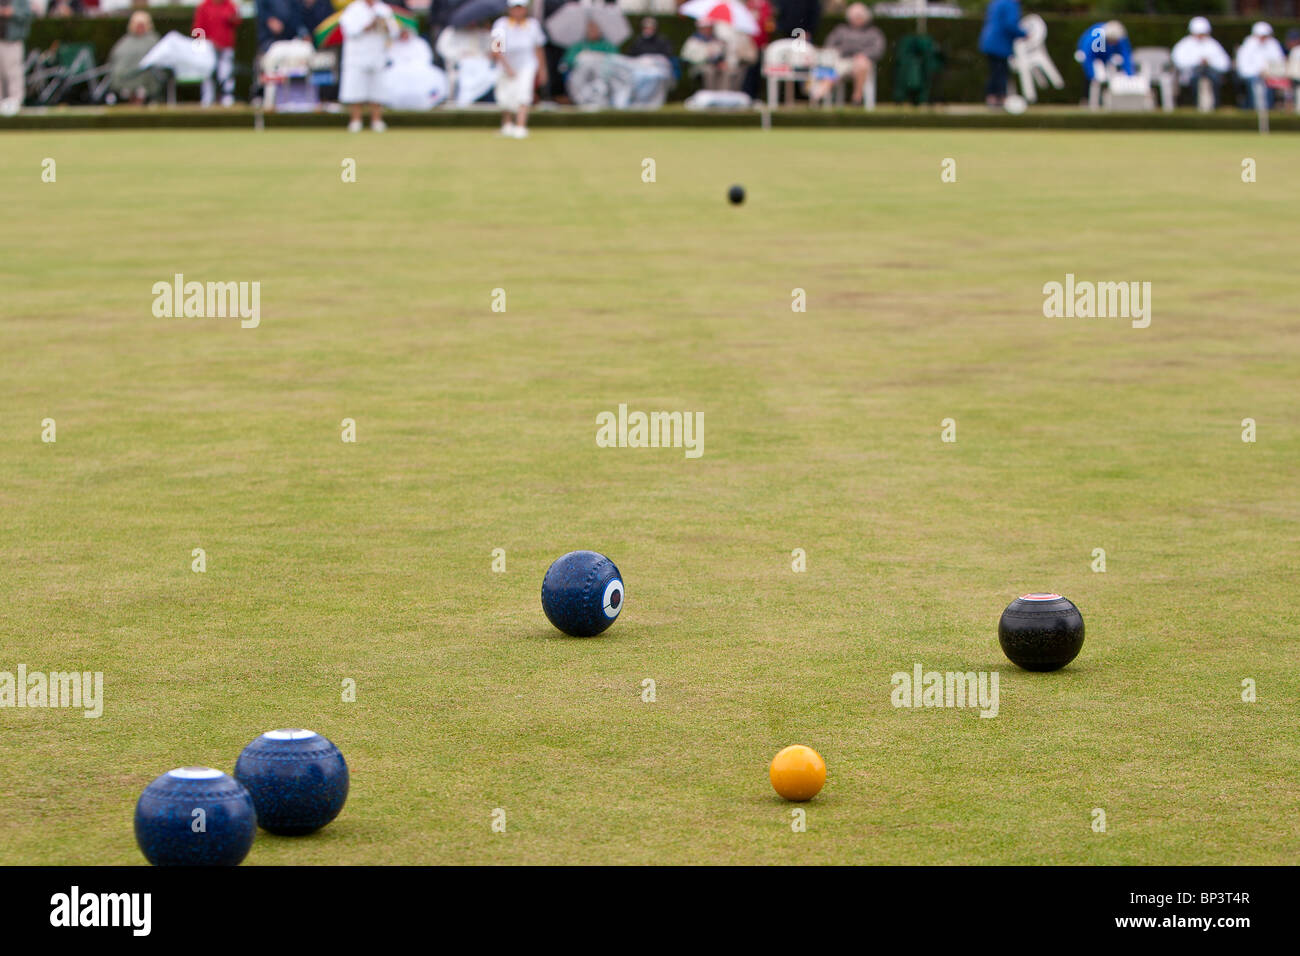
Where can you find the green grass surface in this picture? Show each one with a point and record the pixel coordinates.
(372, 561)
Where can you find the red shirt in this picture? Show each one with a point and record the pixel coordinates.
(762, 11)
(217, 19)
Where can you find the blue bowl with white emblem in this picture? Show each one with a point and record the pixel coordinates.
(582, 593)
(297, 778)
(195, 816)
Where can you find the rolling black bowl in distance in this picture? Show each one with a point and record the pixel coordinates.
(1041, 632)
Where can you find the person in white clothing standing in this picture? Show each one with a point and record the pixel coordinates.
(517, 45)
(368, 26)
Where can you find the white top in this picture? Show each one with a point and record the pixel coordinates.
(195, 773)
(1189, 52)
(518, 42)
(367, 29)
(1257, 52)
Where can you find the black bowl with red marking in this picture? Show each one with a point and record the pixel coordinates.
(1041, 632)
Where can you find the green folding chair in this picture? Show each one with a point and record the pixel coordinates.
(71, 66)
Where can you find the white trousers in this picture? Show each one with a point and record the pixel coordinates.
(225, 76)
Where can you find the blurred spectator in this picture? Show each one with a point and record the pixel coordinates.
(799, 15)
(650, 41)
(310, 14)
(439, 17)
(1293, 61)
(1257, 54)
(595, 40)
(15, 22)
(860, 47)
(125, 78)
(276, 20)
(518, 46)
(1199, 55)
(1101, 44)
(465, 53)
(1001, 30)
(367, 26)
(62, 10)
(553, 85)
(217, 21)
(765, 17)
(411, 81)
(706, 52)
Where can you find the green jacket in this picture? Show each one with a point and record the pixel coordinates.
(19, 23)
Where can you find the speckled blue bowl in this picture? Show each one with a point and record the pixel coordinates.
(195, 816)
(582, 593)
(297, 778)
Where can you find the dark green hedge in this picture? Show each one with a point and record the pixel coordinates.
(961, 81)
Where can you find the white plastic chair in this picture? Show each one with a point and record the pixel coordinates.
(1030, 60)
(787, 61)
(1155, 63)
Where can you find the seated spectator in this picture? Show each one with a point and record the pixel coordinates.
(707, 54)
(719, 55)
(650, 41)
(860, 47)
(595, 41)
(1101, 45)
(125, 78)
(1199, 55)
(411, 81)
(1259, 53)
(216, 21)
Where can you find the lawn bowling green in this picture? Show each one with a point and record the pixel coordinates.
(371, 562)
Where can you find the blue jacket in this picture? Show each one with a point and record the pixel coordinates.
(1001, 28)
(1089, 39)
(286, 11)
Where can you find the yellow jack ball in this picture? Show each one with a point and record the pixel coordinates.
(798, 773)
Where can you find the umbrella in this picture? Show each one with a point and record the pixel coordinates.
(188, 58)
(722, 11)
(329, 33)
(476, 11)
(568, 25)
